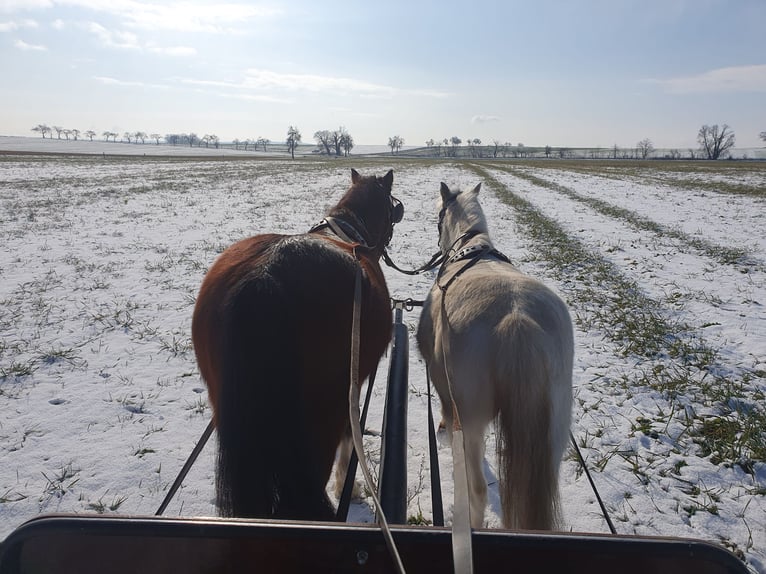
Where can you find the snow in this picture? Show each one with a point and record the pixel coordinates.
(101, 400)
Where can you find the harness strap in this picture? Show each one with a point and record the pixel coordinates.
(354, 416)
(342, 229)
(462, 544)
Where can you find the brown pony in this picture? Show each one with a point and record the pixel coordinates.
(272, 335)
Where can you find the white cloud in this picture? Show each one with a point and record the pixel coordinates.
(115, 82)
(731, 79)
(14, 25)
(114, 38)
(58, 24)
(120, 39)
(22, 45)
(267, 80)
(175, 50)
(188, 16)
(256, 98)
(484, 119)
(259, 83)
(180, 15)
(107, 81)
(17, 5)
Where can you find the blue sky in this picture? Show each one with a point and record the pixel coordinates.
(562, 73)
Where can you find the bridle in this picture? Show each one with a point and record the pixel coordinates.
(356, 231)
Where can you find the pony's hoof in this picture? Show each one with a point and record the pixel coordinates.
(442, 426)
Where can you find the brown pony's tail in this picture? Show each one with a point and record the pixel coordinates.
(527, 472)
(262, 452)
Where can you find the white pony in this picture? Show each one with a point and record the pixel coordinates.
(501, 344)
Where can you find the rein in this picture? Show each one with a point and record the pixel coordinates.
(436, 260)
(354, 416)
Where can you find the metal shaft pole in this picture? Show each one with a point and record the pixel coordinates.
(392, 485)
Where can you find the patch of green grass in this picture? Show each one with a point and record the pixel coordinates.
(723, 254)
(18, 369)
(101, 507)
(12, 496)
(418, 519)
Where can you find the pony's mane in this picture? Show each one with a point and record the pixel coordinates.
(470, 217)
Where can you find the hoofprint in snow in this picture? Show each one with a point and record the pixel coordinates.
(101, 401)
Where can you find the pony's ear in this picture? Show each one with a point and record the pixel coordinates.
(447, 195)
(388, 180)
(477, 188)
(355, 177)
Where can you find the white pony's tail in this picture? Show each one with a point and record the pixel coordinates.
(527, 467)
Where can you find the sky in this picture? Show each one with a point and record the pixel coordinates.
(593, 73)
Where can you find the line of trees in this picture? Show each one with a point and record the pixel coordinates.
(714, 143)
(334, 142)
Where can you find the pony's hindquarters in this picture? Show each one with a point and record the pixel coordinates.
(272, 335)
(509, 350)
(534, 389)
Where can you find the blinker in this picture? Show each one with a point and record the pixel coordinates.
(397, 210)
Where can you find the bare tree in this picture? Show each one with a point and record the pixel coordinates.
(337, 137)
(215, 140)
(140, 136)
(58, 129)
(474, 143)
(41, 128)
(715, 141)
(193, 138)
(156, 137)
(236, 143)
(264, 143)
(645, 148)
(347, 143)
(615, 151)
(128, 136)
(455, 143)
(293, 139)
(90, 134)
(67, 133)
(324, 138)
(762, 135)
(395, 143)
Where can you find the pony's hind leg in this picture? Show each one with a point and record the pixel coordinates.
(345, 450)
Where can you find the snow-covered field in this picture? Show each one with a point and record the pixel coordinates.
(101, 402)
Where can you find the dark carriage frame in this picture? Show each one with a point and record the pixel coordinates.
(77, 543)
